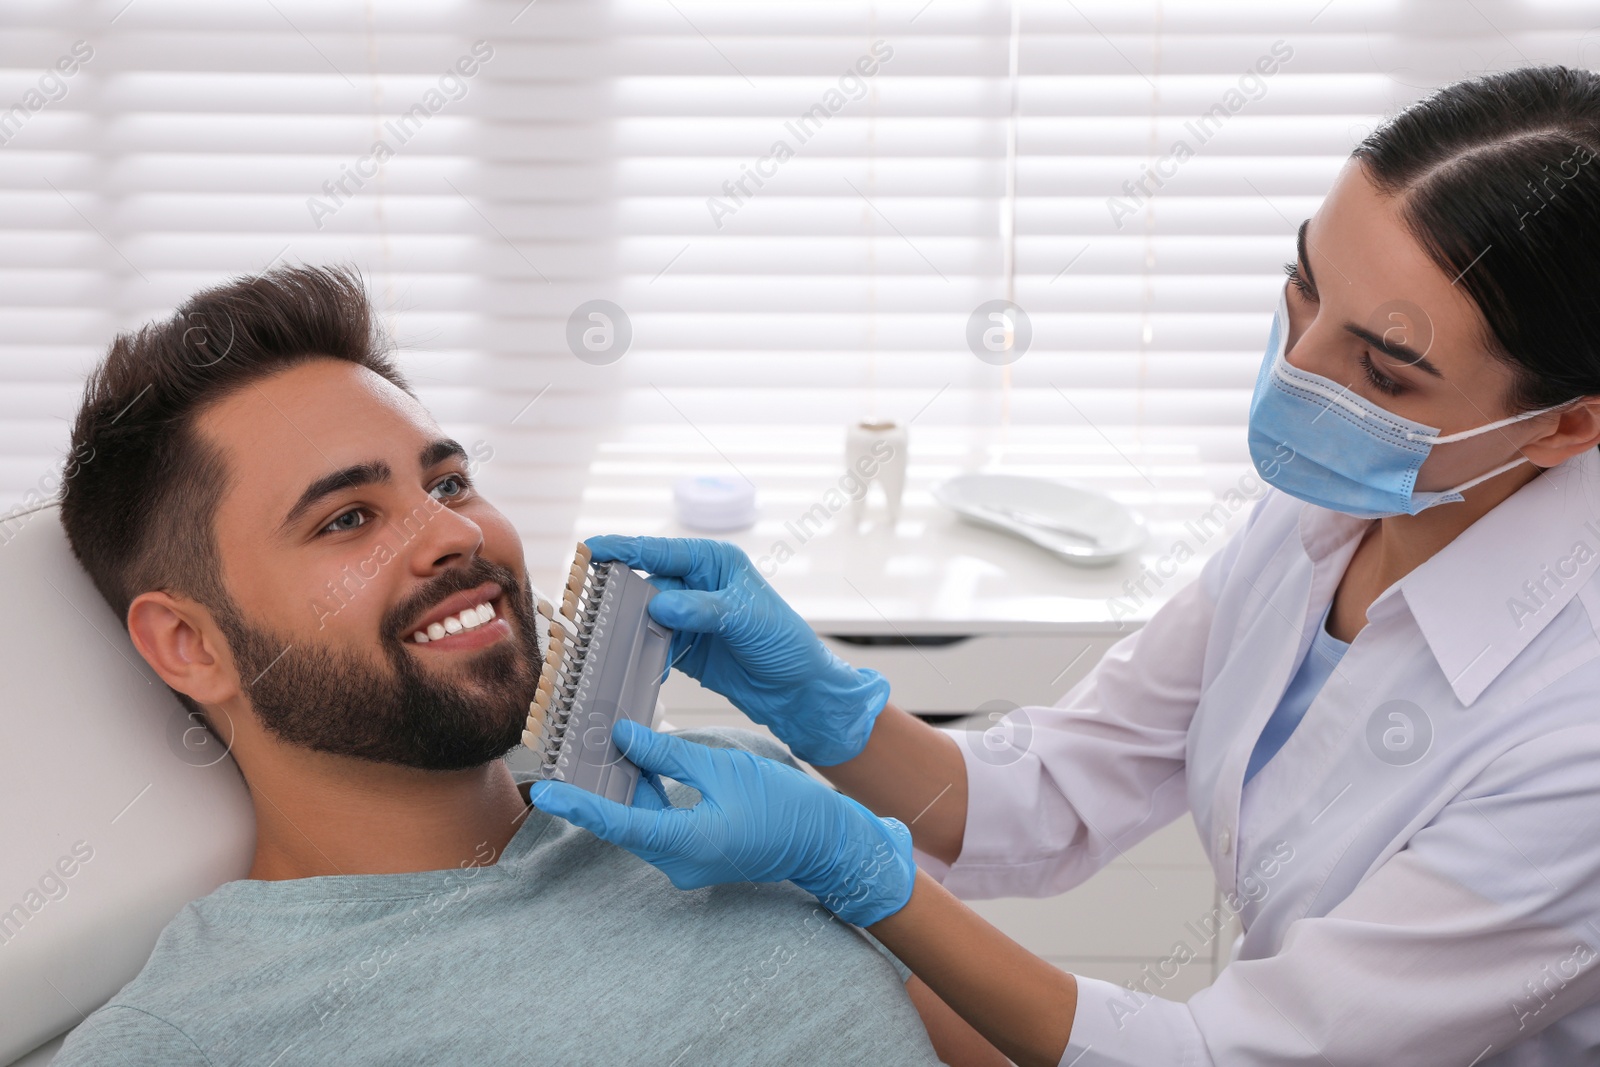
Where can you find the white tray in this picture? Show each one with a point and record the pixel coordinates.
(1078, 525)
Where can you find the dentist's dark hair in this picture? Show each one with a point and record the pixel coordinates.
(1498, 178)
(144, 485)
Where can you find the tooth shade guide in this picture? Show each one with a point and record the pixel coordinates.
(605, 659)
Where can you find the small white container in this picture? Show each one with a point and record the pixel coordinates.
(714, 503)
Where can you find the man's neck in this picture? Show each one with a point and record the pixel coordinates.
(332, 815)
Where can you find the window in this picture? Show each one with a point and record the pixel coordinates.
(801, 209)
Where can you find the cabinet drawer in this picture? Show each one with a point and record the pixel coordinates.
(968, 676)
(973, 673)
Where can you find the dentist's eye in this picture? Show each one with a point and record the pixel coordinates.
(1377, 379)
(1293, 271)
(338, 525)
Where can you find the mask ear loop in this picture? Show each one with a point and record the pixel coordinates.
(1517, 462)
(1462, 435)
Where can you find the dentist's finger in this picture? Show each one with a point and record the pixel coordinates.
(691, 610)
(629, 828)
(665, 582)
(649, 794)
(685, 761)
(672, 556)
(606, 547)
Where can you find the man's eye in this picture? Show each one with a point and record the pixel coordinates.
(460, 481)
(339, 525)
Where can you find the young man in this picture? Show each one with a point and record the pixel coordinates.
(275, 517)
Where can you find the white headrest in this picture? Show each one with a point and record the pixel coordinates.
(118, 809)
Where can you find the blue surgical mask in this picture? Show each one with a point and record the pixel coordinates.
(1316, 440)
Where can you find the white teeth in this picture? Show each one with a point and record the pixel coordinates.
(473, 618)
(470, 619)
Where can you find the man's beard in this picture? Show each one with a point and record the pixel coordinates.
(334, 700)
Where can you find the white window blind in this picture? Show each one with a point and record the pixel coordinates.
(797, 206)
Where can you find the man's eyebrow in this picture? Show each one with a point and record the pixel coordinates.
(373, 472)
(1404, 353)
(1300, 251)
(436, 452)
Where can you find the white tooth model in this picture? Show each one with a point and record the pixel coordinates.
(875, 452)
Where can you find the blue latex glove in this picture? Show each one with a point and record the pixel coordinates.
(736, 636)
(757, 821)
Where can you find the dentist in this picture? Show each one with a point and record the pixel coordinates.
(1380, 700)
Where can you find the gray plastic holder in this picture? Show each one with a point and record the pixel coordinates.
(613, 668)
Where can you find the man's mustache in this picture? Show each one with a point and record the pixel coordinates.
(454, 580)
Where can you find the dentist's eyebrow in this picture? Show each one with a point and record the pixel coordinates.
(372, 472)
(1404, 353)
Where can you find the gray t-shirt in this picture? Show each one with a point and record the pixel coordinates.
(568, 950)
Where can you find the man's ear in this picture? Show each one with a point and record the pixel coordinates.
(179, 639)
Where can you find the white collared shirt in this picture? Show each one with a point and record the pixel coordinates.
(1418, 868)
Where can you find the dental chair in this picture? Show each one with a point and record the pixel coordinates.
(119, 808)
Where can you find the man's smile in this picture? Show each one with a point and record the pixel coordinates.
(463, 621)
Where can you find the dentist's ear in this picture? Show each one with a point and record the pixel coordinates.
(182, 644)
(1575, 429)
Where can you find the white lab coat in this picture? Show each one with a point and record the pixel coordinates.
(1418, 868)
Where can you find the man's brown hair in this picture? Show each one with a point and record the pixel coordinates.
(138, 508)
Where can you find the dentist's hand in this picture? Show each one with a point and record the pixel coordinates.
(736, 636)
(757, 821)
